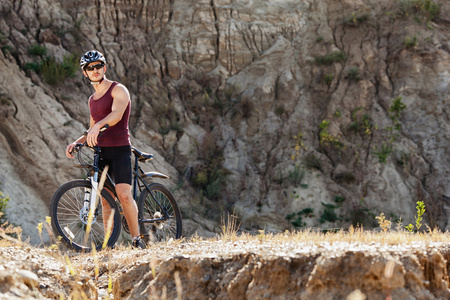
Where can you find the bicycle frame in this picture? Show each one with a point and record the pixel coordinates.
(136, 175)
(138, 184)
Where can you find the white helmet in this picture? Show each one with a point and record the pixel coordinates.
(91, 56)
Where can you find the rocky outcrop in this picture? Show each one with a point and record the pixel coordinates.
(279, 267)
(281, 105)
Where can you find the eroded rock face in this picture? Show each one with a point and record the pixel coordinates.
(327, 272)
(247, 82)
(275, 268)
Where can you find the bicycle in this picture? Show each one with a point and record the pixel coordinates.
(71, 204)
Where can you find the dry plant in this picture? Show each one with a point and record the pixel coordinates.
(10, 235)
(312, 236)
(229, 227)
(384, 224)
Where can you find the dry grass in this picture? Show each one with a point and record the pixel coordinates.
(9, 235)
(354, 235)
(112, 263)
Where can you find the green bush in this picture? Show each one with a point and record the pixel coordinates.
(427, 8)
(410, 42)
(346, 177)
(280, 110)
(296, 218)
(339, 199)
(312, 162)
(35, 66)
(329, 215)
(211, 182)
(326, 139)
(37, 50)
(353, 74)
(54, 71)
(3, 204)
(296, 176)
(361, 125)
(430, 9)
(383, 153)
(328, 78)
(7, 49)
(329, 59)
(355, 20)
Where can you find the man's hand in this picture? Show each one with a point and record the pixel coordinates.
(69, 150)
(92, 135)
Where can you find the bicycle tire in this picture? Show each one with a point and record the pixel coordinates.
(149, 209)
(66, 211)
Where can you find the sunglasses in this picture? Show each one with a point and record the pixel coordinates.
(97, 67)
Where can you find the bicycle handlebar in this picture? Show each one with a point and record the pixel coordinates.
(78, 146)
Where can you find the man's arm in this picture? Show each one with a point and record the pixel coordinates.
(121, 98)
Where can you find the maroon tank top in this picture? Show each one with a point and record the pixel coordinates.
(117, 135)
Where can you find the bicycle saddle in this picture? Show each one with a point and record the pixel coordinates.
(142, 156)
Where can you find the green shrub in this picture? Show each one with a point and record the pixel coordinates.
(312, 162)
(427, 8)
(6, 49)
(339, 199)
(353, 74)
(430, 9)
(211, 181)
(362, 216)
(280, 110)
(355, 20)
(35, 66)
(420, 211)
(328, 78)
(329, 215)
(337, 114)
(347, 177)
(383, 153)
(329, 59)
(37, 50)
(296, 218)
(54, 71)
(327, 139)
(395, 110)
(361, 125)
(211, 176)
(296, 176)
(410, 42)
(3, 204)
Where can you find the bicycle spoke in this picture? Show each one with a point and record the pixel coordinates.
(70, 217)
(162, 221)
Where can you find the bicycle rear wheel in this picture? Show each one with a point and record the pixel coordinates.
(166, 221)
(70, 218)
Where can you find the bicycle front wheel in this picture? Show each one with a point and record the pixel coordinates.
(159, 215)
(69, 217)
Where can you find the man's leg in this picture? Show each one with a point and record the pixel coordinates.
(129, 206)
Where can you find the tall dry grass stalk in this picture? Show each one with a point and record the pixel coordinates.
(229, 227)
(109, 226)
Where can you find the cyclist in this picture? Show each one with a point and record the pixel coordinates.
(110, 105)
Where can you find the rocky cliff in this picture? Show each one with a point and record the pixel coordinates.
(291, 113)
(354, 266)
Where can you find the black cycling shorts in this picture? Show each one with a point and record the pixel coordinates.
(119, 161)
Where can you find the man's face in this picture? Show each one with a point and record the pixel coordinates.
(95, 71)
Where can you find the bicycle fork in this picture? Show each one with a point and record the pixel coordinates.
(90, 201)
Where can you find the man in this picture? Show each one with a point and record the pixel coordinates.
(110, 105)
